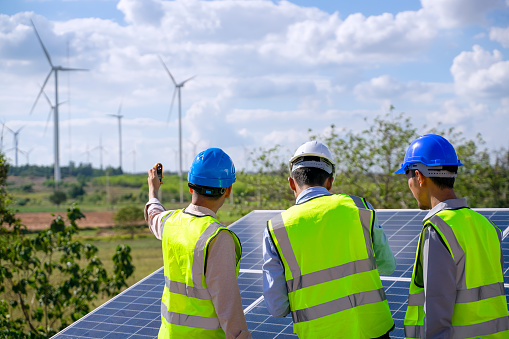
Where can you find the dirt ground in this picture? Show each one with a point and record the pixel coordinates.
(39, 221)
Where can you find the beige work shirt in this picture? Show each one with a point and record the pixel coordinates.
(221, 276)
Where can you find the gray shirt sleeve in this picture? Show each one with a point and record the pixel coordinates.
(439, 272)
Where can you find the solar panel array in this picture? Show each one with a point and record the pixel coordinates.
(135, 313)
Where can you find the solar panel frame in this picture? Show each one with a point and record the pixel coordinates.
(140, 320)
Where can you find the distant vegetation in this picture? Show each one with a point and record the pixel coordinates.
(366, 162)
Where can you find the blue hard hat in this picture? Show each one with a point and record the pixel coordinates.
(212, 168)
(430, 150)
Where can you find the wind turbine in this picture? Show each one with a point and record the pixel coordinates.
(16, 148)
(119, 135)
(87, 152)
(178, 87)
(27, 154)
(54, 69)
(101, 149)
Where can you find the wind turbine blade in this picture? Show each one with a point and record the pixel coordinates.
(183, 82)
(61, 103)
(47, 121)
(168, 71)
(42, 45)
(171, 106)
(72, 69)
(47, 99)
(42, 90)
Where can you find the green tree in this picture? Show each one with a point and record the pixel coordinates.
(130, 217)
(269, 183)
(58, 197)
(366, 161)
(49, 279)
(76, 190)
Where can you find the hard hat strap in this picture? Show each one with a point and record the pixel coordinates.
(312, 161)
(207, 191)
(431, 171)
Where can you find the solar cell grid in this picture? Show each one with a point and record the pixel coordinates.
(135, 313)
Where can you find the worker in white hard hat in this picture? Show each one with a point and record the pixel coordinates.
(323, 256)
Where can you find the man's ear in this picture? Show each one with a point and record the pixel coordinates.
(228, 192)
(292, 183)
(420, 177)
(190, 190)
(328, 183)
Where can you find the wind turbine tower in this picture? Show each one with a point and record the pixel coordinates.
(119, 116)
(178, 87)
(16, 148)
(54, 69)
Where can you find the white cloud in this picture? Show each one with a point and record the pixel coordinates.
(387, 89)
(481, 74)
(501, 35)
(454, 13)
(148, 12)
(357, 39)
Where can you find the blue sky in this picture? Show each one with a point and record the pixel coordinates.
(266, 72)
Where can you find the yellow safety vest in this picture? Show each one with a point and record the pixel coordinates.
(187, 310)
(332, 280)
(480, 310)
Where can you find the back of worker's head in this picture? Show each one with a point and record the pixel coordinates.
(434, 157)
(211, 173)
(312, 164)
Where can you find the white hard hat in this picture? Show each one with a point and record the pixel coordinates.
(313, 149)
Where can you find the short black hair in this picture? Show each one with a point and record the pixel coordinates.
(212, 193)
(442, 183)
(310, 176)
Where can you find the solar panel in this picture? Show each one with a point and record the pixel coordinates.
(135, 313)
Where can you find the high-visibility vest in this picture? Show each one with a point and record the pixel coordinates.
(187, 310)
(480, 310)
(333, 284)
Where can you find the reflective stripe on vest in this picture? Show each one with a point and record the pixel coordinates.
(306, 307)
(199, 255)
(189, 320)
(190, 291)
(338, 305)
(165, 219)
(492, 294)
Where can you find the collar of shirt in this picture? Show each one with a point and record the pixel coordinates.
(200, 211)
(310, 193)
(450, 204)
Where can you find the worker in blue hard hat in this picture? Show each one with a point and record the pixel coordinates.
(323, 256)
(457, 287)
(201, 297)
